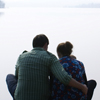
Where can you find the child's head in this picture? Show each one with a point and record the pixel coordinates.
(64, 49)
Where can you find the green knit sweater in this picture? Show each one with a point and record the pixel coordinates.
(32, 70)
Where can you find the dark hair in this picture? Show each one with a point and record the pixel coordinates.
(65, 48)
(24, 51)
(40, 40)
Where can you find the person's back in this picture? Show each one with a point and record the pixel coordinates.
(32, 76)
(74, 68)
(61, 92)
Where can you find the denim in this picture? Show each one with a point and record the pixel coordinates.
(11, 81)
(91, 86)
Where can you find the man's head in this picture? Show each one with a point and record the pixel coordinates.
(40, 41)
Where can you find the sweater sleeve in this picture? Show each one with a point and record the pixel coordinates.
(58, 71)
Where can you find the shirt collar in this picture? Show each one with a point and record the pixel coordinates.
(64, 57)
(38, 48)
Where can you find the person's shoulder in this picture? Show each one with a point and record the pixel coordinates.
(80, 62)
(23, 54)
(50, 54)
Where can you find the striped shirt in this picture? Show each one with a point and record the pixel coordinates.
(32, 70)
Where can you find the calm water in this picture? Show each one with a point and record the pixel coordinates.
(80, 26)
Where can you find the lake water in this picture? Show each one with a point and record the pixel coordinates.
(80, 26)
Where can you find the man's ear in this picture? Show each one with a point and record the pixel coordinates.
(45, 47)
(45, 44)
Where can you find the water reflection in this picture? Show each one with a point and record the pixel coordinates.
(1, 13)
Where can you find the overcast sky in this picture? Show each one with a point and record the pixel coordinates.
(47, 3)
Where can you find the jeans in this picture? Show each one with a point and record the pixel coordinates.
(91, 86)
(11, 81)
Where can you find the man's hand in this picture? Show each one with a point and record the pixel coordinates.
(78, 85)
(84, 89)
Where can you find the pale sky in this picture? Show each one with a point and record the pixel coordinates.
(47, 3)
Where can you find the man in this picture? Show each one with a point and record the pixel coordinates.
(33, 69)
